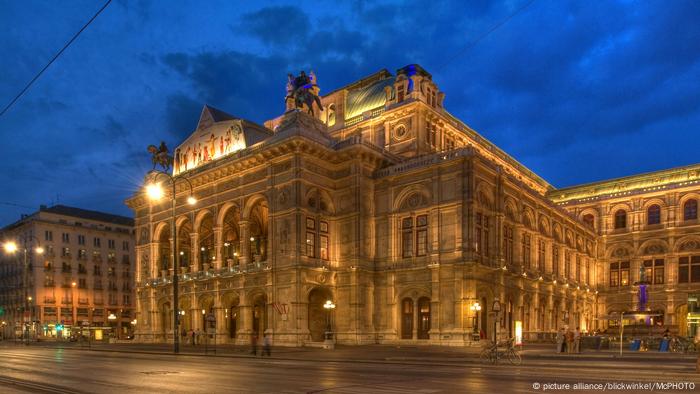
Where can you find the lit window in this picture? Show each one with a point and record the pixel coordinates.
(654, 215)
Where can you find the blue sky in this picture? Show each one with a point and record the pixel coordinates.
(577, 91)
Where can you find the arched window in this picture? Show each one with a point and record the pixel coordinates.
(331, 115)
(654, 214)
(588, 219)
(620, 219)
(690, 210)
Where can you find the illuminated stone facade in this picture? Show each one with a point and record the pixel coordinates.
(383, 203)
(85, 274)
(649, 223)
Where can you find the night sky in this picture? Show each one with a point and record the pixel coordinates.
(577, 91)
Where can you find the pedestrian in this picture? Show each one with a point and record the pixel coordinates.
(267, 344)
(254, 344)
(667, 333)
(560, 340)
(194, 339)
(199, 336)
(577, 340)
(569, 341)
(183, 335)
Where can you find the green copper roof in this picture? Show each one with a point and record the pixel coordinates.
(366, 98)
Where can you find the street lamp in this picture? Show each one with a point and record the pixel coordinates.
(328, 306)
(476, 308)
(155, 192)
(11, 247)
(496, 310)
(74, 314)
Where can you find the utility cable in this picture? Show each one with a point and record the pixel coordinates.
(485, 34)
(53, 59)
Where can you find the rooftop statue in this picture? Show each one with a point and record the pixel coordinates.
(160, 156)
(302, 89)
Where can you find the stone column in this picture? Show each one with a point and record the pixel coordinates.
(218, 249)
(244, 256)
(194, 251)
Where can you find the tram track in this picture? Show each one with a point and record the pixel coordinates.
(36, 387)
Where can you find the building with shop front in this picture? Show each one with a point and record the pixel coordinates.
(78, 275)
(411, 223)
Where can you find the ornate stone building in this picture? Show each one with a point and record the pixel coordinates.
(383, 203)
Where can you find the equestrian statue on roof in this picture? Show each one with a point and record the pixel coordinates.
(303, 90)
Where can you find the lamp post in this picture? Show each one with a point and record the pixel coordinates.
(112, 317)
(496, 311)
(11, 248)
(155, 192)
(73, 313)
(476, 308)
(328, 306)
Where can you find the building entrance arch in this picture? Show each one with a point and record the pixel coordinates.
(318, 316)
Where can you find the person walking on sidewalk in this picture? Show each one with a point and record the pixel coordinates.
(577, 340)
(560, 341)
(569, 341)
(267, 344)
(254, 344)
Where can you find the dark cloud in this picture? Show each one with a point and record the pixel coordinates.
(576, 91)
(278, 25)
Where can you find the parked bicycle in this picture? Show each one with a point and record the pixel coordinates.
(681, 345)
(493, 351)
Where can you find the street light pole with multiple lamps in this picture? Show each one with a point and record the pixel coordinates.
(11, 248)
(155, 192)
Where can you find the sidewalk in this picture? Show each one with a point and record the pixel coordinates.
(418, 354)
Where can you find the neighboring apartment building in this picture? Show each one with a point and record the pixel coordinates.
(80, 279)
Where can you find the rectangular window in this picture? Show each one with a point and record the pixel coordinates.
(96, 242)
(407, 237)
(81, 240)
(540, 255)
(578, 268)
(310, 244)
(323, 240)
(527, 250)
(555, 260)
(324, 247)
(625, 273)
(567, 265)
(111, 244)
(65, 252)
(65, 237)
(48, 236)
(421, 235)
(658, 271)
(614, 274)
(695, 269)
(310, 223)
(508, 243)
(125, 245)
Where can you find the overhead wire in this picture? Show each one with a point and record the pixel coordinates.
(484, 35)
(31, 82)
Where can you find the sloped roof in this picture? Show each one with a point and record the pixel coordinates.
(211, 115)
(367, 97)
(88, 214)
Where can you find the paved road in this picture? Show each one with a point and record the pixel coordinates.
(57, 370)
